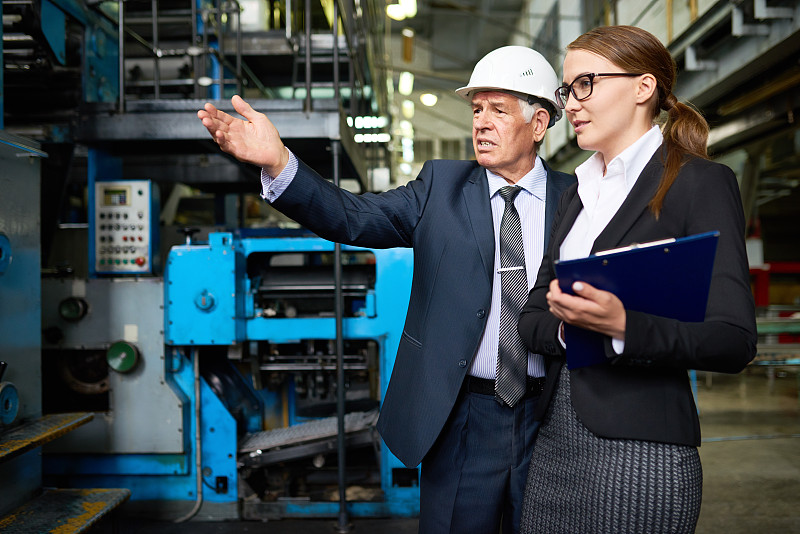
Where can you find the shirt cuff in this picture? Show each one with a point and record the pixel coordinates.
(560, 337)
(273, 186)
(618, 345)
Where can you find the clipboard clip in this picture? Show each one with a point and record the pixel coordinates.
(634, 246)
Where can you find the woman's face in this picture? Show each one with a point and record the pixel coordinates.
(610, 119)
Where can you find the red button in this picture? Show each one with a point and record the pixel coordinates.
(140, 261)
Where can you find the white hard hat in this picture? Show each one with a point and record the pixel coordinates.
(519, 70)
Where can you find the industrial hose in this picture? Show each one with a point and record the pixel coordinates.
(197, 441)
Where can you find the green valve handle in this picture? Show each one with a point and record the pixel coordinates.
(122, 356)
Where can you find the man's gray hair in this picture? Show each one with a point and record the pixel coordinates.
(528, 110)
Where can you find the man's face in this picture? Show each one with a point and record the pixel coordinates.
(503, 142)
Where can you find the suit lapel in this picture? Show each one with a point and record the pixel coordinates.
(553, 193)
(479, 210)
(633, 206)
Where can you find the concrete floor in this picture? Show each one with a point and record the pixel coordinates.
(750, 452)
(750, 455)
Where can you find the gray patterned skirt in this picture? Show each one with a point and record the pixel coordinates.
(581, 483)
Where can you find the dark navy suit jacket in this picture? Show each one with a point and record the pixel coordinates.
(445, 216)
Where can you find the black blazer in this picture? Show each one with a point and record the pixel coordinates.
(644, 393)
(445, 215)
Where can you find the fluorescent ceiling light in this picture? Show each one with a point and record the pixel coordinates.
(395, 12)
(428, 99)
(407, 108)
(409, 7)
(405, 84)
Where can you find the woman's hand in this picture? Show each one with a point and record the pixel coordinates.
(590, 308)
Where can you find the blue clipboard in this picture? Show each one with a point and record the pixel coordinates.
(669, 278)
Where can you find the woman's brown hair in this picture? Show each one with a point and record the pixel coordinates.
(636, 50)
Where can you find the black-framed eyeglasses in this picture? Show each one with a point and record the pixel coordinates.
(581, 87)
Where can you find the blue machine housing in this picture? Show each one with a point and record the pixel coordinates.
(210, 300)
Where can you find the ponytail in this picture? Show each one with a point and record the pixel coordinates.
(685, 135)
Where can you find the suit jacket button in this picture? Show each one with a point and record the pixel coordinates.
(462, 363)
(481, 313)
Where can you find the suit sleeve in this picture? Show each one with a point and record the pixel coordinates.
(381, 220)
(726, 340)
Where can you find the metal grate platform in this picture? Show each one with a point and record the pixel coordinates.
(63, 511)
(306, 439)
(36, 433)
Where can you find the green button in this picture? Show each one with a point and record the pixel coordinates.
(122, 356)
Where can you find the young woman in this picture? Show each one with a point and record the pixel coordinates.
(617, 450)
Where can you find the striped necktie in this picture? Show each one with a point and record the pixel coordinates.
(512, 357)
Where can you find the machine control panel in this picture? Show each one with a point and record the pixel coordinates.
(123, 227)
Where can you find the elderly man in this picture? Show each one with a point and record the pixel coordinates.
(463, 388)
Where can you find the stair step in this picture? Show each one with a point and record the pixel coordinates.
(37, 432)
(63, 510)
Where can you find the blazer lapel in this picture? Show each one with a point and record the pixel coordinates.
(565, 224)
(479, 210)
(633, 206)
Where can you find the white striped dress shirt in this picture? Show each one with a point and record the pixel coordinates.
(530, 204)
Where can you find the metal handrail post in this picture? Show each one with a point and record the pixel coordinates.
(342, 524)
(220, 49)
(335, 32)
(307, 105)
(195, 57)
(238, 47)
(121, 44)
(157, 53)
(289, 18)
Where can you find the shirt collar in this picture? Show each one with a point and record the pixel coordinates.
(630, 162)
(534, 182)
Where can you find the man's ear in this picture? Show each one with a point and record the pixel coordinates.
(540, 120)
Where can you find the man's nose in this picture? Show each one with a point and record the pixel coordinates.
(480, 122)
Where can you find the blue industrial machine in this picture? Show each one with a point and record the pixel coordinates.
(65, 44)
(268, 303)
(20, 294)
(227, 402)
(209, 373)
(25, 505)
